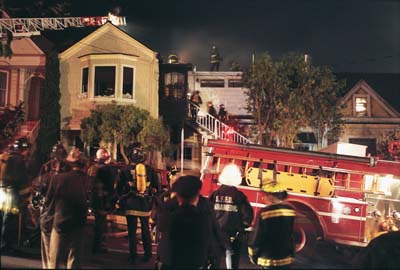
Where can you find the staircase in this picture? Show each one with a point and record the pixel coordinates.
(215, 127)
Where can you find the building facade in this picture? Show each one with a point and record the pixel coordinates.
(106, 66)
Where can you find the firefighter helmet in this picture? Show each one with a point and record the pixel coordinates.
(102, 155)
(173, 59)
(231, 175)
(273, 187)
(137, 155)
(75, 157)
(58, 152)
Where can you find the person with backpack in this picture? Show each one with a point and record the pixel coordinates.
(136, 187)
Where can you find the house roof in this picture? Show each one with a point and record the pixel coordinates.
(387, 85)
(62, 39)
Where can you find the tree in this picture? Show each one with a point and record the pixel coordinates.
(49, 132)
(124, 126)
(265, 86)
(289, 94)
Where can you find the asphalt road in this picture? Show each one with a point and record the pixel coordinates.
(326, 256)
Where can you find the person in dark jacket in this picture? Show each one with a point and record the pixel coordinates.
(65, 216)
(233, 212)
(135, 187)
(191, 233)
(14, 178)
(48, 170)
(383, 252)
(271, 245)
(103, 176)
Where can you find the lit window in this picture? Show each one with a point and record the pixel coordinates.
(127, 85)
(174, 85)
(212, 83)
(104, 81)
(85, 80)
(361, 106)
(3, 88)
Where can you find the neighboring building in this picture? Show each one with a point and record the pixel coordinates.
(21, 80)
(372, 109)
(222, 87)
(108, 65)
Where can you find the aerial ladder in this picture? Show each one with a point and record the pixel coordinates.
(26, 27)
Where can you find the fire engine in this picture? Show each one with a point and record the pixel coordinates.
(348, 200)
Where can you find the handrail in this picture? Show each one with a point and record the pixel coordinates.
(219, 129)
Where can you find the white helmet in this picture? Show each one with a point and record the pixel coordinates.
(102, 155)
(231, 175)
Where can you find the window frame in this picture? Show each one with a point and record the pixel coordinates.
(368, 105)
(133, 81)
(7, 74)
(207, 81)
(88, 78)
(94, 80)
(233, 83)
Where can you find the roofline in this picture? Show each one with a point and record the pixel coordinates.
(70, 50)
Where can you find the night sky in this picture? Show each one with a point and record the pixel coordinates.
(349, 36)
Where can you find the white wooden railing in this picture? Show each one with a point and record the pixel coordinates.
(214, 126)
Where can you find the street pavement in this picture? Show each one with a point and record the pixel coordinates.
(326, 255)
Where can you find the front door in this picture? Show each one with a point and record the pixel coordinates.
(34, 99)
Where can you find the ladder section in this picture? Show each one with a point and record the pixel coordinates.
(33, 26)
(214, 126)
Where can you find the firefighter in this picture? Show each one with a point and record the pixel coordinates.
(103, 176)
(271, 245)
(48, 170)
(233, 212)
(15, 181)
(159, 216)
(215, 59)
(197, 101)
(135, 188)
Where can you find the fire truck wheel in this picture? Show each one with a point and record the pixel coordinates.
(305, 236)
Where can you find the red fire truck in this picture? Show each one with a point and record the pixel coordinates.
(345, 199)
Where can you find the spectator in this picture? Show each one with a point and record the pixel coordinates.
(66, 202)
(191, 232)
(48, 170)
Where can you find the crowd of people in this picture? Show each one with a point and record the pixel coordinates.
(192, 231)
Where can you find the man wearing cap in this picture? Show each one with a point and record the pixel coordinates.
(233, 212)
(191, 233)
(54, 166)
(65, 216)
(271, 245)
(103, 176)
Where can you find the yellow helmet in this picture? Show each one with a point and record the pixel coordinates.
(271, 186)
